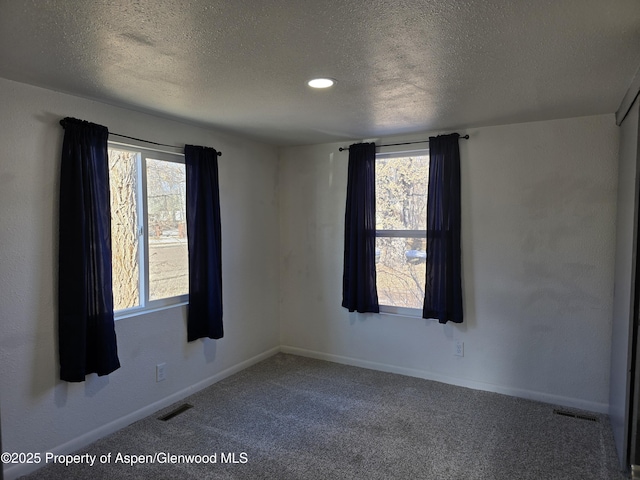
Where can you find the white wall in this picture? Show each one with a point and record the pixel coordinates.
(538, 240)
(626, 236)
(539, 207)
(40, 413)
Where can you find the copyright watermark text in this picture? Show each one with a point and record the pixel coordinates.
(119, 458)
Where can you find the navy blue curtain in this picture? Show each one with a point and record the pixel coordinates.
(86, 331)
(205, 243)
(359, 274)
(443, 291)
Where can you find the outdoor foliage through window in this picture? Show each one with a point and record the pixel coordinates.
(148, 230)
(401, 218)
(168, 255)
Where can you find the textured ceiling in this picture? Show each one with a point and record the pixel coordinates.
(402, 66)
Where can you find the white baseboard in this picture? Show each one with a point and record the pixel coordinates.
(77, 443)
(460, 382)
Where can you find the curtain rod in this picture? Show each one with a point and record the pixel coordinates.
(65, 120)
(466, 137)
(148, 141)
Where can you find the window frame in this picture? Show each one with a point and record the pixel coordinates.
(382, 233)
(145, 304)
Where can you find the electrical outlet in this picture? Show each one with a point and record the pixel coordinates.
(458, 348)
(161, 372)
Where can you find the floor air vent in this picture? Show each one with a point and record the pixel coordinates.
(579, 416)
(176, 412)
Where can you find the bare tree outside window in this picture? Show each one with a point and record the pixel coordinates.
(401, 218)
(123, 174)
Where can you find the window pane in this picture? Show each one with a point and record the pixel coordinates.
(123, 182)
(401, 271)
(401, 193)
(168, 257)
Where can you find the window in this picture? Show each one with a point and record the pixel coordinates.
(148, 228)
(401, 230)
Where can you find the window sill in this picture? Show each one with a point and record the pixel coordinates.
(136, 312)
(401, 311)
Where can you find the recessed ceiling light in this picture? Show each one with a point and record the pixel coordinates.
(321, 82)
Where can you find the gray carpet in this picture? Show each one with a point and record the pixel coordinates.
(290, 417)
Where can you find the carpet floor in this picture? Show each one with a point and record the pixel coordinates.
(291, 417)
